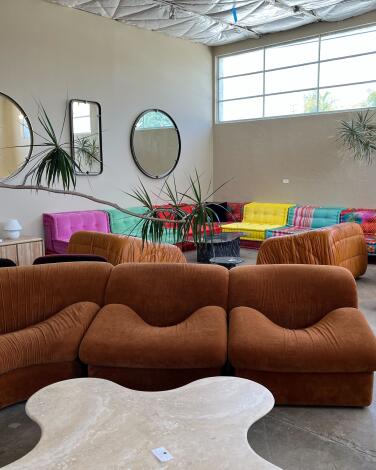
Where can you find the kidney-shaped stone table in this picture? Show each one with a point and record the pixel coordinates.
(96, 424)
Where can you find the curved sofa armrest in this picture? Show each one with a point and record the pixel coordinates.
(338, 245)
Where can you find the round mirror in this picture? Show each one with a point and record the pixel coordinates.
(16, 137)
(155, 143)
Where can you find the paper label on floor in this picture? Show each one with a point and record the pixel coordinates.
(162, 454)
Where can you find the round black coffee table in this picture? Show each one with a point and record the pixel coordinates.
(227, 261)
(221, 244)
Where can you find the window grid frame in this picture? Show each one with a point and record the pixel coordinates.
(318, 88)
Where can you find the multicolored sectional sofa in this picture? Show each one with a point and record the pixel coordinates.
(367, 220)
(305, 218)
(60, 226)
(257, 221)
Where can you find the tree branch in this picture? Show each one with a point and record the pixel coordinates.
(37, 188)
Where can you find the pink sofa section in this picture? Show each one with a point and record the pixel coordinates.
(59, 226)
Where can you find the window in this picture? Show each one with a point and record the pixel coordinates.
(82, 120)
(324, 73)
(154, 120)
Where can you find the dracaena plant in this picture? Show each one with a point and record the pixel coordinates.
(196, 225)
(359, 135)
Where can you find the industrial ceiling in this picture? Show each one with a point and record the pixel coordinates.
(218, 22)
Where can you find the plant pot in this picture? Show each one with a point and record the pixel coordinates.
(205, 251)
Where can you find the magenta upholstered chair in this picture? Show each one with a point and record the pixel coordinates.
(60, 226)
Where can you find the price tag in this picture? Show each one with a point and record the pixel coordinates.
(162, 454)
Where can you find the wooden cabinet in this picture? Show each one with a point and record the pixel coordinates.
(22, 251)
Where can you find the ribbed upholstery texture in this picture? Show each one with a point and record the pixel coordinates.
(154, 326)
(32, 294)
(296, 329)
(118, 249)
(339, 245)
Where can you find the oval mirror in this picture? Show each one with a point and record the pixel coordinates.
(155, 143)
(16, 137)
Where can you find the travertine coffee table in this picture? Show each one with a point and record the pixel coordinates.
(91, 424)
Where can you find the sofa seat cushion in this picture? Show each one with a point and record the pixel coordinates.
(287, 230)
(252, 231)
(341, 341)
(119, 337)
(56, 339)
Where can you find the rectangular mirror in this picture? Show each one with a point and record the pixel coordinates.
(86, 136)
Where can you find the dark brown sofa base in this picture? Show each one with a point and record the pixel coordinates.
(151, 380)
(18, 385)
(321, 389)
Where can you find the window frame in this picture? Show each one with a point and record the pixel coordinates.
(264, 71)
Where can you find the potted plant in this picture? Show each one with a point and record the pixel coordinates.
(197, 225)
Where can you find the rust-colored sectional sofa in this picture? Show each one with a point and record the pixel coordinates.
(119, 249)
(338, 245)
(295, 329)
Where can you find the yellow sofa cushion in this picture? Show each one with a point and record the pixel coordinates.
(258, 217)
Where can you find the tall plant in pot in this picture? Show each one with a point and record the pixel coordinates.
(188, 213)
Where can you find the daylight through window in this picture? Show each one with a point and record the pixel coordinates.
(324, 73)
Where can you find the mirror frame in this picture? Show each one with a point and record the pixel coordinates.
(27, 159)
(134, 152)
(88, 173)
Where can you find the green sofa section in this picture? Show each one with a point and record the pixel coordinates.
(124, 224)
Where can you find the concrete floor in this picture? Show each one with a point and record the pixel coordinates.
(293, 438)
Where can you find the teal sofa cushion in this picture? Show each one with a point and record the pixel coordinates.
(124, 224)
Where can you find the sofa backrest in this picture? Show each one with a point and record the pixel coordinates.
(338, 245)
(365, 217)
(62, 225)
(119, 249)
(31, 294)
(235, 211)
(292, 296)
(266, 213)
(349, 247)
(313, 217)
(166, 294)
(125, 224)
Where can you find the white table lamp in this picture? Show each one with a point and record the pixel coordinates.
(12, 229)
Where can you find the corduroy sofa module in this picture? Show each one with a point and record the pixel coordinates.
(339, 245)
(162, 326)
(119, 249)
(296, 329)
(44, 313)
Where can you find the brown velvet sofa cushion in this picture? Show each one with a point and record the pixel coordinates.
(292, 296)
(341, 341)
(31, 294)
(118, 249)
(167, 294)
(118, 337)
(54, 340)
(338, 245)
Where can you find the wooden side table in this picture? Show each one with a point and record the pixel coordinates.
(22, 251)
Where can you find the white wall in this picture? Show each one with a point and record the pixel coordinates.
(48, 52)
